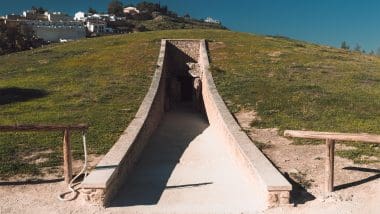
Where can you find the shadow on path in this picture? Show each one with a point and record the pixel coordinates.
(359, 182)
(30, 182)
(298, 195)
(189, 185)
(148, 181)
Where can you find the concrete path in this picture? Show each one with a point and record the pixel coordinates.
(186, 168)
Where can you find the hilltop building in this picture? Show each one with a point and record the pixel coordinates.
(46, 16)
(211, 20)
(58, 16)
(99, 24)
(80, 16)
(51, 27)
(13, 18)
(34, 15)
(98, 27)
(56, 31)
(131, 10)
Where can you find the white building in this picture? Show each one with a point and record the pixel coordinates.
(98, 27)
(51, 27)
(56, 31)
(58, 16)
(80, 16)
(131, 10)
(14, 17)
(113, 18)
(34, 15)
(211, 20)
(95, 26)
(25, 13)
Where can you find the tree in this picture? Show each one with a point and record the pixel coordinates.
(116, 7)
(357, 48)
(371, 53)
(92, 10)
(148, 7)
(39, 10)
(16, 37)
(164, 9)
(344, 45)
(140, 28)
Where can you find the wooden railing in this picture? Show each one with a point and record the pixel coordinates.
(67, 156)
(330, 138)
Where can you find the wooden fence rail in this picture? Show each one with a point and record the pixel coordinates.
(67, 155)
(330, 138)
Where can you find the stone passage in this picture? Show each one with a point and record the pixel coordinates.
(184, 152)
(183, 75)
(186, 168)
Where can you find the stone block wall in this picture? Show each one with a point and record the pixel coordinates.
(271, 185)
(103, 182)
(109, 175)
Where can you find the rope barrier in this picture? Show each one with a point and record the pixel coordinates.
(71, 187)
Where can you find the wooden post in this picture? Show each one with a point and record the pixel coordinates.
(67, 157)
(329, 167)
(330, 138)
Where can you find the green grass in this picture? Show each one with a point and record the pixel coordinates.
(102, 81)
(166, 23)
(362, 154)
(96, 81)
(296, 85)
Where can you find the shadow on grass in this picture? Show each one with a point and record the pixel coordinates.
(30, 182)
(15, 94)
(298, 194)
(359, 182)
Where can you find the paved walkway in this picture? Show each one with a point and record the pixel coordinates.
(186, 168)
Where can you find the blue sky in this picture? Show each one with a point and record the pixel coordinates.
(320, 21)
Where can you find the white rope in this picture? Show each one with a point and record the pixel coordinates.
(74, 192)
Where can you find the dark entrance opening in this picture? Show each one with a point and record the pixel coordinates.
(187, 89)
(183, 85)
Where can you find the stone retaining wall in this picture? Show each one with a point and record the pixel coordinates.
(104, 181)
(268, 180)
(108, 176)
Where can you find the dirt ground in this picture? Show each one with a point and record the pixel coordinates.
(357, 187)
(39, 194)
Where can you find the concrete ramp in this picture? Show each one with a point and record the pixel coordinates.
(184, 152)
(186, 168)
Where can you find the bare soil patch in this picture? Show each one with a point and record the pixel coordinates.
(50, 173)
(39, 194)
(357, 186)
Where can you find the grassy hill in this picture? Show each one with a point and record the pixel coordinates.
(170, 23)
(102, 81)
